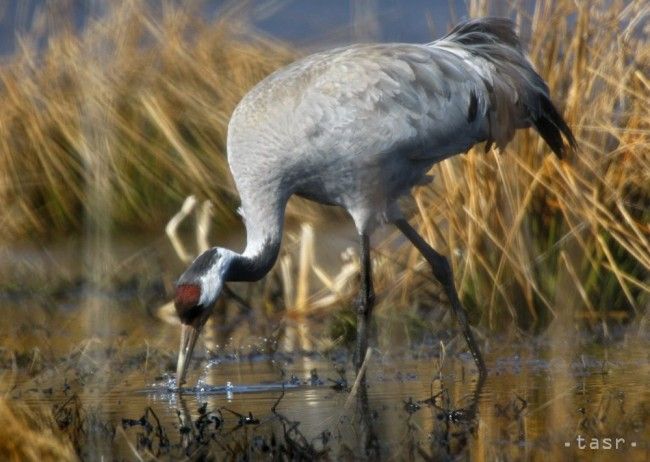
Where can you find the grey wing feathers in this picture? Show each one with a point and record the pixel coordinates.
(425, 101)
(475, 84)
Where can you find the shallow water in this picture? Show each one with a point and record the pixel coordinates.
(532, 404)
(557, 397)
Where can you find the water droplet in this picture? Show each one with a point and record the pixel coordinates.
(201, 385)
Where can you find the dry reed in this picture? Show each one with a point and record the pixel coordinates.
(147, 94)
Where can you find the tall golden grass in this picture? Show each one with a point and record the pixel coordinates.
(148, 94)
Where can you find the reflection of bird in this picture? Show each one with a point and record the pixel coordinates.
(358, 127)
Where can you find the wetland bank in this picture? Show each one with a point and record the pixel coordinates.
(107, 128)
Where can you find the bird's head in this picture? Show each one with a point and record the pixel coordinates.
(197, 290)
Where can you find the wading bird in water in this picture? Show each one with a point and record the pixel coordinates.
(358, 127)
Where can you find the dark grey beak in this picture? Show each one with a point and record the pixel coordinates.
(189, 334)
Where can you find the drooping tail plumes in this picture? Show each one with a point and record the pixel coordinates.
(518, 96)
(551, 126)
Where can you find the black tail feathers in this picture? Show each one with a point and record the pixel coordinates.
(551, 126)
(495, 40)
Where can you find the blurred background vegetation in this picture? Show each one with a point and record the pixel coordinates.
(108, 127)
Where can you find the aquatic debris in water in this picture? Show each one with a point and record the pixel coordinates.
(340, 384)
(294, 380)
(82, 424)
(411, 406)
(296, 446)
(243, 420)
(152, 432)
(314, 379)
(68, 418)
(205, 420)
(249, 420)
(446, 413)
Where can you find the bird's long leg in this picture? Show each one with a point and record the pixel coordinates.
(365, 302)
(442, 271)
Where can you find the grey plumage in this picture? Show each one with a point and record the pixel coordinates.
(359, 126)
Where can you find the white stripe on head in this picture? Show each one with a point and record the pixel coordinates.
(213, 279)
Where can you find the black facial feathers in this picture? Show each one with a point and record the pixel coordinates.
(199, 267)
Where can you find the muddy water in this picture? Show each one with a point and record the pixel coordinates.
(560, 396)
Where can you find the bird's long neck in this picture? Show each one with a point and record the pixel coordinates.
(264, 218)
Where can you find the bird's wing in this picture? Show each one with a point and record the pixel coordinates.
(429, 101)
(415, 99)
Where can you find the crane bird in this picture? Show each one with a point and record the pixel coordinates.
(358, 127)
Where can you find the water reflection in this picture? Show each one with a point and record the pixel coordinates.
(368, 440)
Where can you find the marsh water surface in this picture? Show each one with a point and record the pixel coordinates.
(102, 360)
